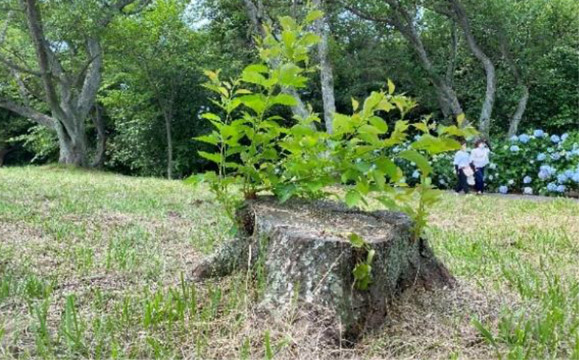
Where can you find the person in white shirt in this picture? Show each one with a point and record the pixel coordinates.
(479, 157)
(461, 163)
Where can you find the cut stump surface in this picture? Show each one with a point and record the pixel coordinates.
(308, 256)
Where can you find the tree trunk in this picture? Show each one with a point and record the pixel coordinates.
(487, 108)
(73, 145)
(405, 23)
(307, 257)
(257, 15)
(3, 153)
(167, 114)
(522, 104)
(518, 115)
(99, 157)
(326, 73)
(70, 96)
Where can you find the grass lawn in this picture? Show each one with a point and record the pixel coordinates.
(96, 265)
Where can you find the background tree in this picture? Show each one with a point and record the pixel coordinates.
(53, 51)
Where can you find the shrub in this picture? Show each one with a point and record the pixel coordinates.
(534, 163)
(257, 152)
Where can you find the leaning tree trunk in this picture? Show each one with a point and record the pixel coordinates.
(307, 256)
(405, 23)
(489, 68)
(518, 115)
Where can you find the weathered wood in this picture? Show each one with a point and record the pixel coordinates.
(308, 257)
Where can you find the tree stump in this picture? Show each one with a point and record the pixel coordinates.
(308, 256)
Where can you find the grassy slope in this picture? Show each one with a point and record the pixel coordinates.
(92, 265)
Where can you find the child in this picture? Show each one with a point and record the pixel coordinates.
(462, 167)
(479, 157)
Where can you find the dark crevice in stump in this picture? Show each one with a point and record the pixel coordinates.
(308, 256)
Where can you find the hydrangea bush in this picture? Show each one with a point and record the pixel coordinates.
(534, 163)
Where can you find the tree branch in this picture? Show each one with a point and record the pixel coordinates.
(39, 40)
(27, 112)
(5, 29)
(17, 67)
(92, 78)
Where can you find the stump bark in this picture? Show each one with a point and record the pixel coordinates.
(308, 257)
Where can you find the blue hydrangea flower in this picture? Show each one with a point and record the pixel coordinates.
(549, 169)
(528, 191)
(561, 178)
(541, 157)
(514, 138)
(560, 188)
(503, 189)
(514, 148)
(555, 139)
(511, 182)
(416, 174)
(551, 187)
(555, 156)
(564, 136)
(576, 177)
(527, 180)
(569, 173)
(524, 138)
(543, 175)
(538, 133)
(492, 166)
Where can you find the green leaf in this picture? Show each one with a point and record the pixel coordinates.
(422, 127)
(353, 197)
(379, 124)
(288, 38)
(342, 124)
(212, 75)
(356, 240)
(435, 145)
(391, 87)
(313, 16)
(309, 39)
(216, 157)
(242, 92)
(288, 23)
(369, 129)
(284, 192)
(362, 275)
(355, 104)
(256, 102)
(210, 116)
(371, 102)
(289, 75)
(212, 139)
(253, 77)
(284, 99)
(388, 167)
(258, 68)
(418, 159)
